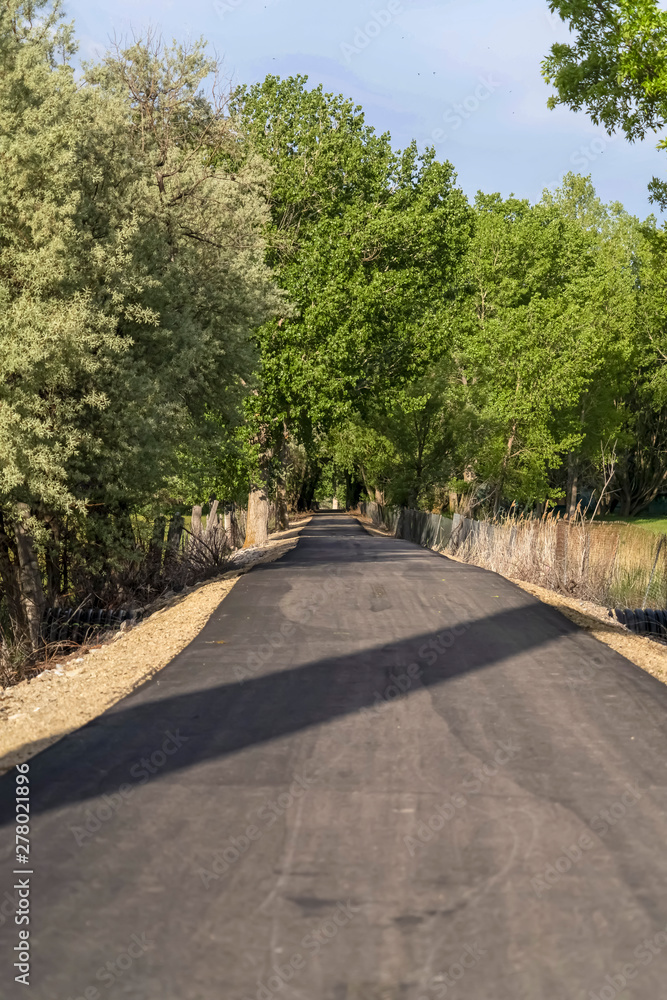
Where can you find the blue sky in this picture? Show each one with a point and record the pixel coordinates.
(463, 75)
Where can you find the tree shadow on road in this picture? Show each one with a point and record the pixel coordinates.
(275, 700)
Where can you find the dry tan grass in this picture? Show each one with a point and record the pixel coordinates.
(609, 564)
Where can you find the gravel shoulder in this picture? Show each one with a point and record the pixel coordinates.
(646, 653)
(75, 689)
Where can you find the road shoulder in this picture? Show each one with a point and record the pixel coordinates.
(73, 690)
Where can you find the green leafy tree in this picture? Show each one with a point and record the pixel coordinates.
(621, 250)
(365, 243)
(615, 68)
(641, 453)
(402, 450)
(542, 336)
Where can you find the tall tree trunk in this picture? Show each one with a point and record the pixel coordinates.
(281, 509)
(572, 485)
(156, 547)
(349, 499)
(30, 578)
(173, 542)
(365, 482)
(66, 557)
(503, 471)
(53, 572)
(282, 516)
(465, 503)
(234, 528)
(626, 504)
(52, 556)
(257, 523)
(10, 579)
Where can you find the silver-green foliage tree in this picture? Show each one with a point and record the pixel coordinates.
(132, 275)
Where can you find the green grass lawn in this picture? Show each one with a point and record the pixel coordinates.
(657, 523)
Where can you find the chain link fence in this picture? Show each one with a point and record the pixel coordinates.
(612, 564)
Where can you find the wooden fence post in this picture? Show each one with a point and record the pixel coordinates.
(195, 521)
(655, 564)
(562, 529)
(212, 520)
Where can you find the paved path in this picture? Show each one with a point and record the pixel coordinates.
(377, 774)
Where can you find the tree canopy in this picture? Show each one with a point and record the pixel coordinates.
(208, 296)
(615, 68)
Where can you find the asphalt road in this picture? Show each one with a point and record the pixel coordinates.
(377, 774)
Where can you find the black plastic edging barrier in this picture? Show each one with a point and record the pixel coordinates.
(65, 625)
(648, 621)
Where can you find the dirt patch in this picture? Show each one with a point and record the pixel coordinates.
(72, 690)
